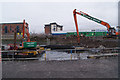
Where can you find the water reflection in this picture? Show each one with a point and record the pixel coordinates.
(56, 55)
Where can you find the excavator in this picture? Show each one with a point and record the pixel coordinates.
(111, 30)
(28, 47)
(27, 43)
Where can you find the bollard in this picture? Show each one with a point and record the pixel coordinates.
(45, 56)
(71, 54)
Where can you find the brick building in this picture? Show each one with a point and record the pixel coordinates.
(52, 27)
(7, 31)
(10, 28)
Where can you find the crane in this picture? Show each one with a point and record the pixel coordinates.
(111, 30)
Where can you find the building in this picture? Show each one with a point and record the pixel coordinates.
(52, 27)
(59, 33)
(10, 28)
(87, 34)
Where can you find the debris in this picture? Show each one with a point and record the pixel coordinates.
(101, 47)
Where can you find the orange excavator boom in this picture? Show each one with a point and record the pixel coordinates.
(111, 30)
(26, 31)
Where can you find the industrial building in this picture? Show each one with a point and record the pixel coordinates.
(52, 27)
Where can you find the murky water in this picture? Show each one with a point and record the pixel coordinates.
(55, 55)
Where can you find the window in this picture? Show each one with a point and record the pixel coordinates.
(54, 28)
(17, 29)
(10, 28)
(61, 28)
(6, 29)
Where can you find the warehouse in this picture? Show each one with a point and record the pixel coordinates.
(87, 34)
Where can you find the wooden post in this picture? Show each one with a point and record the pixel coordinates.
(15, 40)
(71, 54)
(75, 53)
(15, 35)
(45, 54)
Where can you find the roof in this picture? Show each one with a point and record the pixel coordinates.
(53, 23)
(59, 26)
(13, 23)
(47, 24)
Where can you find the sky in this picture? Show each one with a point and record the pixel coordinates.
(37, 14)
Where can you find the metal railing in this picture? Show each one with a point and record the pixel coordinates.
(71, 53)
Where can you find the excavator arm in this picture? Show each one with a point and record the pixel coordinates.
(75, 19)
(109, 28)
(27, 43)
(26, 31)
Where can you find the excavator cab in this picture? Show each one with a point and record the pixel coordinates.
(111, 33)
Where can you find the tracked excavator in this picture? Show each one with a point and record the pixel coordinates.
(111, 30)
(26, 42)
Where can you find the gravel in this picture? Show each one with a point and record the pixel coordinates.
(88, 68)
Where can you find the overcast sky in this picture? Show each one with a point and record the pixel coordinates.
(37, 14)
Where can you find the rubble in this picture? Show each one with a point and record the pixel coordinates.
(86, 42)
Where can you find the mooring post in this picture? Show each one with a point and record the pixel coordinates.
(71, 54)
